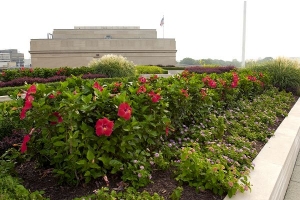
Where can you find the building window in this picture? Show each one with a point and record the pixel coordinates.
(108, 37)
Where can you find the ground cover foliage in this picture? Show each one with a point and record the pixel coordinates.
(203, 129)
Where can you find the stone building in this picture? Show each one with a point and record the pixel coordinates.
(77, 47)
(11, 58)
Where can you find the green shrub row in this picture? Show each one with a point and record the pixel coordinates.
(149, 70)
(8, 90)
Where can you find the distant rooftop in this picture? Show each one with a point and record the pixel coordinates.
(106, 27)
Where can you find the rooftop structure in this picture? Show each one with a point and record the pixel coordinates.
(77, 47)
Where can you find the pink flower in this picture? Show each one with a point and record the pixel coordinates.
(142, 80)
(142, 89)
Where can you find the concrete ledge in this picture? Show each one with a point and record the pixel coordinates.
(275, 162)
(4, 98)
(159, 75)
(175, 71)
(7, 98)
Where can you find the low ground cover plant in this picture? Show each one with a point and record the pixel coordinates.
(29, 80)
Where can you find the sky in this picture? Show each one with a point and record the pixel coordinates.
(202, 28)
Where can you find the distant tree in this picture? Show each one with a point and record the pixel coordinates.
(189, 61)
(236, 63)
(266, 59)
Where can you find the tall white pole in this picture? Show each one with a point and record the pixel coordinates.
(244, 35)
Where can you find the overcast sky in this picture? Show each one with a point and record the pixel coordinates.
(201, 28)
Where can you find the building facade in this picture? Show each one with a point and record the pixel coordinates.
(11, 58)
(77, 47)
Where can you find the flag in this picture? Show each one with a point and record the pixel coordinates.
(162, 22)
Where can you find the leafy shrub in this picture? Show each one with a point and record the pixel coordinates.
(284, 73)
(148, 70)
(72, 116)
(113, 66)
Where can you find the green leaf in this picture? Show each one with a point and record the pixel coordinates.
(87, 173)
(41, 87)
(90, 155)
(105, 159)
(59, 143)
(87, 99)
(94, 165)
(115, 163)
(81, 162)
(61, 129)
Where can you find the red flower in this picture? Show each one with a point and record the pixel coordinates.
(3, 73)
(223, 83)
(185, 73)
(142, 80)
(22, 68)
(23, 113)
(142, 89)
(24, 143)
(97, 86)
(31, 70)
(58, 92)
(203, 92)
(184, 92)
(117, 84)
(51, 96)
(210, 82)
(167, 130)
(154, 97)
(234, 84)
(154, 77)
(28, 102)
(104, 127)
(124, 111)
(59, 118)
(251, 78)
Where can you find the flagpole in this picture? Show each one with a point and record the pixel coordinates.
(164, 27)
(244, 35)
